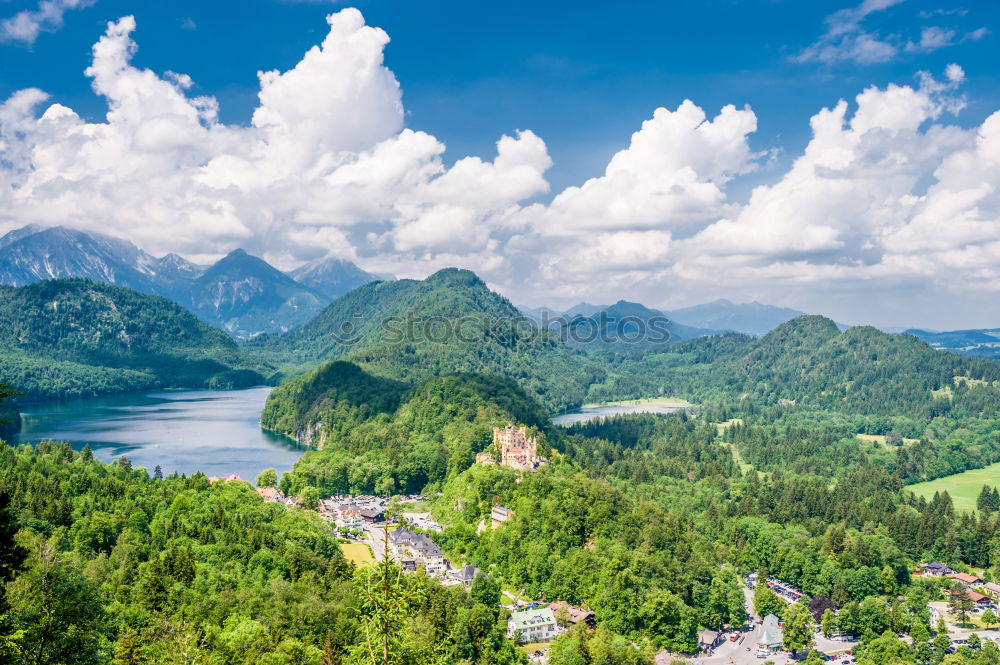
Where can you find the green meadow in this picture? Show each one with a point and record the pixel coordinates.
(963, 487)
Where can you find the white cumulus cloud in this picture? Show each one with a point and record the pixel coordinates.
(24, 27)
(889, 196)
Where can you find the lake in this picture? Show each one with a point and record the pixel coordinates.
(216, 432)
(587, 413)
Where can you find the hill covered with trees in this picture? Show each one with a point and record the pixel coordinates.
(449, 323)
(75, 337)
(810, 362)
(376, 435)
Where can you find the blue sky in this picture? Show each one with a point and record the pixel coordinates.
(581, 77)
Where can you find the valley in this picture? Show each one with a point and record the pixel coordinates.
(810, 452)
(470, 333)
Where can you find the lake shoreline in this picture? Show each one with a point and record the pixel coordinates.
(589, 412)
(216, 432)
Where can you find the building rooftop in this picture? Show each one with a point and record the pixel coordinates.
(529, 618)
(466, 574)
(771, 632)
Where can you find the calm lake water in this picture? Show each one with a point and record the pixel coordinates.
(594, 412)
(215, 432)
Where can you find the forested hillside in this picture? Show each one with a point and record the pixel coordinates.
(378, 436)
(119, 567)
(74, 337)
(808, 360)
(450, 322)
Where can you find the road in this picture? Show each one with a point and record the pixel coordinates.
(743, 651)
(376, 541)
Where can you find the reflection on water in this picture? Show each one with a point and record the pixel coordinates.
(215, 432)
(594, 412)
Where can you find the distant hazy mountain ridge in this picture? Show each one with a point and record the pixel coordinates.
(240, 293)
(981, 343)
(751, 318)
(721, 315)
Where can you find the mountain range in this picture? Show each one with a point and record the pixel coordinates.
(718, 316)
(409, 331)
(752, 318)
(624, 326)
(240, 293)
(980, 343)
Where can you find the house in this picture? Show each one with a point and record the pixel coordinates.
(465, 575)
(270, 493)
(372, 515)
(499, 515)
(418, 548)
(771, 636)
(708, 639)
(981, 602)
(936, 569)
(350, 519)
(538, 625)
(969, 580)
(485, 457)
(573, 615)
(992, 588)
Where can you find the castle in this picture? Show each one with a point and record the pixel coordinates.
(517, 449)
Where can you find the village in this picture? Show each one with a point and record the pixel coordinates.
(401, 528)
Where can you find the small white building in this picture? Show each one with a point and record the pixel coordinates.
(771, 636)
(533, 625)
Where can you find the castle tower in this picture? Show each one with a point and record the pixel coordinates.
(517, 449)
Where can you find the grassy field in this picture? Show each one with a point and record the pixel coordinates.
(535, 646)
(964, 488)
(358, 553)
(722, 427)
(744, 465)
(880, 439)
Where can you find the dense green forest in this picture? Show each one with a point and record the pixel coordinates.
(647, 519)
(449, 323)
(74, 337)
(109, 565)
(794, 463)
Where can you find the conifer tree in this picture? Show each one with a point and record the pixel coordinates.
(129, 650)
(386, 600)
